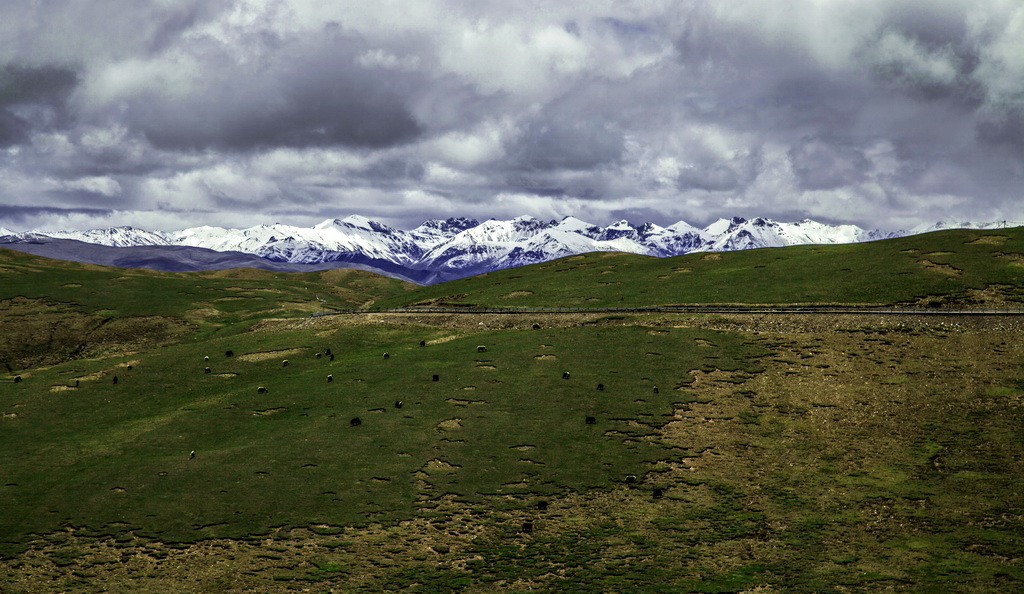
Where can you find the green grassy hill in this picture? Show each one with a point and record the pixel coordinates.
(720, 454)
(52, 310)
(946, 266)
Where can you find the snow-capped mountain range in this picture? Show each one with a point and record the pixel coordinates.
(441, 250)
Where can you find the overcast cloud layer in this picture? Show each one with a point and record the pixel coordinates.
(180, 113)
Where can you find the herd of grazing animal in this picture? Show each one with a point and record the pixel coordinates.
(398, 404)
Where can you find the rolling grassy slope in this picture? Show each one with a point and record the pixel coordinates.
(859, 454)
(950, 265)
(52, 310)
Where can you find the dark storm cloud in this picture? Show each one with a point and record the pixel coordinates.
(878, 112)
(579, 143)
(308, 92)
(32, 97)
(823, 165)
(15, 215)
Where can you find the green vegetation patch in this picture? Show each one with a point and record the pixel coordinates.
(957, 267)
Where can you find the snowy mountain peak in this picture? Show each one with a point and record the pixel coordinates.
(455, 224)
(123, 236)
(724, 225)
(327, 224)
(445, 249)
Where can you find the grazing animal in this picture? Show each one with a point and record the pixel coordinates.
(332, 357)
(536, 326)
(261, 390)
(284, 363)
(600, 387)
(129, 368)
(542, 505)
(77, 382)
(206, 358)
(356, 422)
(565, 375)
(655, 389)
(436, 378)
(481, 349)
(330, 378)
(387, 356)
(328, 352)
(630, 479)
(423, 343)
(17, 379)
(527, 527)
(591, 421)
(115, 380)
(206, 370)
(658, 492)
(192, 455)
(229, 353)
(398, 404)
(318, 355)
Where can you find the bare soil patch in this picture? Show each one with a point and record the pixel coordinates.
(545, 356)
(1015, 259)
(515, 294)
(449, 425)
(268, 411)
(264, 355)
(989, 240)
(940, 268)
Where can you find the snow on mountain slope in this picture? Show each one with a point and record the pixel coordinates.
(5, 231)
(435, 231)
(331, 240)
(112, 236)
(741, 234)
(556, 242)
(445, 249)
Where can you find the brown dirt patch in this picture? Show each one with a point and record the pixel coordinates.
(461, 402)
(62, 388)
(264, 355)
(545, 356)
(449, 425)
(268, 411)
(1015, 259)
(711, 256)
(201, 313)
(989, 240)
(443, 339)
(438, 464)
(515, 294)
(89, 377)
(940, 268)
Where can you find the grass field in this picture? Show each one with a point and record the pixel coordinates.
(946, 267)
(725, 453)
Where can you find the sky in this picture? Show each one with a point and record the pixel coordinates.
(170, 114)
